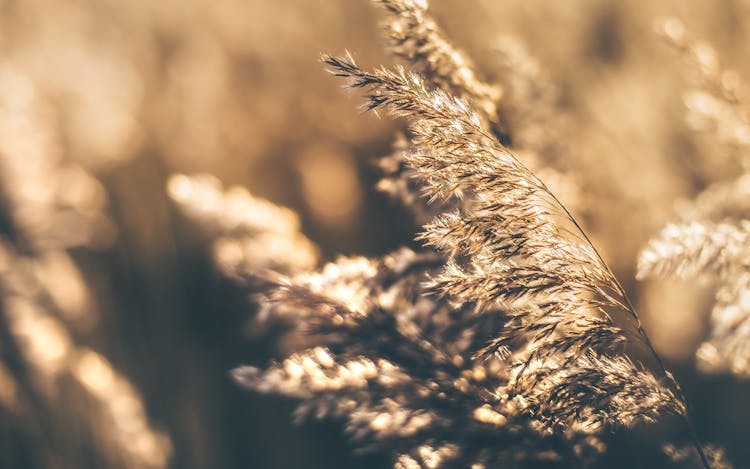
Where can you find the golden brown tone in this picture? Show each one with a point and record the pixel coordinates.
(184, 191)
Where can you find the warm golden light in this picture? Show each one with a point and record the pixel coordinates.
(330, 185)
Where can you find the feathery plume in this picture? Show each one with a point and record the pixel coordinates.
(716, 251)
(504, 332)
(416, 38)
(697, 248)
(249, 235)
(712, 237)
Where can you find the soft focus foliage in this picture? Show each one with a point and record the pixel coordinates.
(711, 241)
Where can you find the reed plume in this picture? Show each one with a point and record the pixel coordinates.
(248, 235)
(519, 111)
(506, 244)
(498, 338)
(710, 238)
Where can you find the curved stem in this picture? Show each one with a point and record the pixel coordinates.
(672, 382)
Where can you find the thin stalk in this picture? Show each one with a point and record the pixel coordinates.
(641, 331)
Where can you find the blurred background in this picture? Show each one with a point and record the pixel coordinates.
(117, 331)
